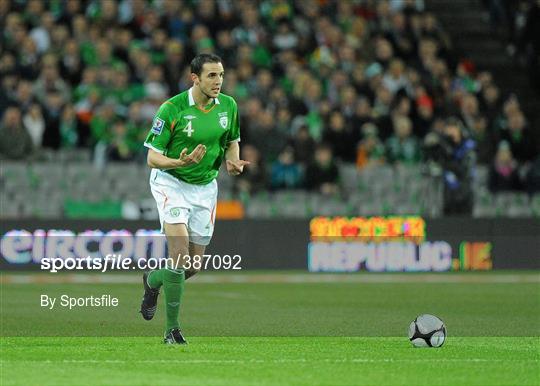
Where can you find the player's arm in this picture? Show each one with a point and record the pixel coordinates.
(157, 142)
(233, 152)
(234, 164)
(159, 161)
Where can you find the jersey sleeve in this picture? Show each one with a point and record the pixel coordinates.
(160, 134)
(234, 132)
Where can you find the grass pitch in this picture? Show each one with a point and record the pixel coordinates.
(269, 361)
(276, 329)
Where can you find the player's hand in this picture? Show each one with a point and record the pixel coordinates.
(234, 168)
(194, 157)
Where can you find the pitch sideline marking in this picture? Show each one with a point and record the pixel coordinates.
(291, 278)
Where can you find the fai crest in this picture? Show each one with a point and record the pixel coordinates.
(223, 121)
(175, 212)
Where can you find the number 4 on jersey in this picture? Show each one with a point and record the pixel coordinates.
(188, 129)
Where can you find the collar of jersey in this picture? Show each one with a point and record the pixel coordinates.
(192, 100)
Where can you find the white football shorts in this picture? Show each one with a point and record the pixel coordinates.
(181, 203)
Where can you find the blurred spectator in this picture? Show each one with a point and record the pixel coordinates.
(285, 173)
(491, 102)
(16, 142)
(29, 64)
(339, 137)
(519, 137)
(24, 96)
(49, 81)
(503, 173)
(402, 147)
(424, 117)
(262, 85)
(484, 140)
(370, 149)
(455, 155)
(322, 175)
(395, 78)
(303, 145)
(250, 29)
(120, 90)
(469, 110)
(52, 108)
(71, 65)
(70, 128)
(255, 179)
(174, 62)
(102, 121)
(362, 115)
(383, 100)
(347, 101)
(283, 121)
(284, 38)
(35, 124)
(266, 137)
(123, 144)
(401, 105)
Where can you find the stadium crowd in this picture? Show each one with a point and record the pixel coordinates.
(318, 82)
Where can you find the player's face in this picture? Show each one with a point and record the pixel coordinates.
(211, 79)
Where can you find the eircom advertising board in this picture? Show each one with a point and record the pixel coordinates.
(335, 244)
(381, 244)
(56, 249)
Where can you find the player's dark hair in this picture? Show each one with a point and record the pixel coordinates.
(199, 60)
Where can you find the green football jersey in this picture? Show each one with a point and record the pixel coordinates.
(180, 123)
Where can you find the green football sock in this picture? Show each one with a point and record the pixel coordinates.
(173, 286)
(155, 278)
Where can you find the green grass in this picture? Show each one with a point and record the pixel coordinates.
(269, 361)
(275, 329)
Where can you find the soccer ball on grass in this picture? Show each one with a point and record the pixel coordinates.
(427, 331)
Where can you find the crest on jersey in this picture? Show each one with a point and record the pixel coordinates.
(157, 126)
(223, 121)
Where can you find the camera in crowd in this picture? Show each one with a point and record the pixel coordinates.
(439, 147)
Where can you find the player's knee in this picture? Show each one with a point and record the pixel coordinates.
(177, 243)
(179, 256)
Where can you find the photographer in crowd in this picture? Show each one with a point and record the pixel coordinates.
(454, 153)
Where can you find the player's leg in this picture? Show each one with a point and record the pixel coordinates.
(153, 280)
(150, 297)
(173, 278)
(174, 215)
(201, 223)
(195, 250)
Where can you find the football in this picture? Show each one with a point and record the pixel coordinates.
(427, 331)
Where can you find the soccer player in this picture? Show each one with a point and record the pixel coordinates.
(191, 134)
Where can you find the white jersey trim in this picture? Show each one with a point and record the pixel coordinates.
(146, 144)
(192, 100)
